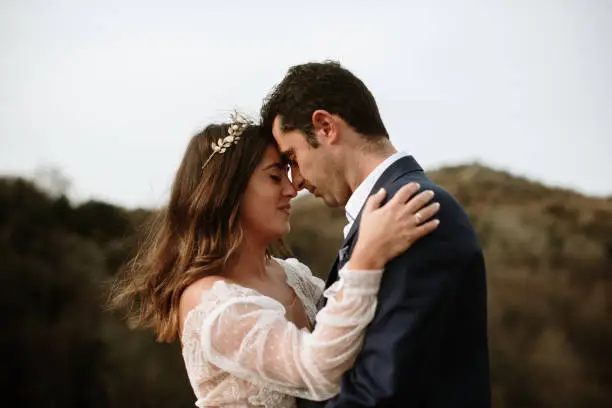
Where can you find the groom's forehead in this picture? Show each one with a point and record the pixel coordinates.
(277, 125)
(283, 143)
(281, 146)
(278, 129)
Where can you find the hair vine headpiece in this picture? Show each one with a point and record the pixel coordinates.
(236, 128)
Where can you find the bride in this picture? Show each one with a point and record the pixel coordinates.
(245, 319)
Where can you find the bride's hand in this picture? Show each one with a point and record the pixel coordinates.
(386, 232)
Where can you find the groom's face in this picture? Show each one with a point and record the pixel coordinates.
(311, 168)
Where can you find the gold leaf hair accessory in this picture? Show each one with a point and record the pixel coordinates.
(238, 125)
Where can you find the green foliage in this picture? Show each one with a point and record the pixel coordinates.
(61, 347)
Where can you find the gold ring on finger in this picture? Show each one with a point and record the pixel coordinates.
(418, 217)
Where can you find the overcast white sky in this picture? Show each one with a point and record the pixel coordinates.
(111, 91)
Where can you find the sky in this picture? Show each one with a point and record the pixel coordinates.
(109, 92)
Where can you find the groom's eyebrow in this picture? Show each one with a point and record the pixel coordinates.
(289, 156)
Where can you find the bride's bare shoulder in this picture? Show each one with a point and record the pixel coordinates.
(192, 295)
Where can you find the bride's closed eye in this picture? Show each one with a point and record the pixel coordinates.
(275, 171)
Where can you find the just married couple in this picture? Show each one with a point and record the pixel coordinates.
(401, 321)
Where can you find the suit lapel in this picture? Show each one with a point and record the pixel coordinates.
(404, 165)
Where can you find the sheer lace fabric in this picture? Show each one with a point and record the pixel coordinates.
(241, 351)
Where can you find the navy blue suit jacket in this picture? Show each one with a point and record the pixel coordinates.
(427, 345)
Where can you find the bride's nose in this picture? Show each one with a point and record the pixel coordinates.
(289, 189)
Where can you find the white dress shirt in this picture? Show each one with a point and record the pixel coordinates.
(360, 195)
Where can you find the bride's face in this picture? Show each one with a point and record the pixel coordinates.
(265, 208)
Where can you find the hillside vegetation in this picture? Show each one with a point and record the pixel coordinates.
(549, 261)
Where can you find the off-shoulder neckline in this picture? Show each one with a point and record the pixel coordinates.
(290, 279)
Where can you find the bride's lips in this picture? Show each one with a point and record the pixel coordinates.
(285, 208)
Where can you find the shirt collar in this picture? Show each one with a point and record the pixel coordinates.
(360, 195)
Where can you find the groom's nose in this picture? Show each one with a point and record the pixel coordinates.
(297, 179)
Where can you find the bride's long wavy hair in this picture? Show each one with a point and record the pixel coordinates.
(195, 235)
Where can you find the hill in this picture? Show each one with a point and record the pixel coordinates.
(548, 254)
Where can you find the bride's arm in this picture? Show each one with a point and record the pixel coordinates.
(249, 336)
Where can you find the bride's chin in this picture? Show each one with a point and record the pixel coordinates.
(286, 229)
(278, 233)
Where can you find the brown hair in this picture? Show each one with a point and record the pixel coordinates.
(323, 85)
(195, 235)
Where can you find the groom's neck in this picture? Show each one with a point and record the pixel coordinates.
(365, 160)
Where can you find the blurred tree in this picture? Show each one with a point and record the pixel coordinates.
(52, 181)
(548, 253)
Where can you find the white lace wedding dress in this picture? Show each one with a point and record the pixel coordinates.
(241, 351)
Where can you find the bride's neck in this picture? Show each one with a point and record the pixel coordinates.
(249, 262)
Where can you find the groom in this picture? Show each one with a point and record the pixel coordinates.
(427, 345)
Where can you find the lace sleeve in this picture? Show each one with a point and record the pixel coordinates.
(249, 337)
(313, 286)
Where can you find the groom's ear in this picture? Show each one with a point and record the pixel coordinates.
(325, 126)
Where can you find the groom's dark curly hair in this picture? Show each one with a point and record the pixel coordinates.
(322, 85)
